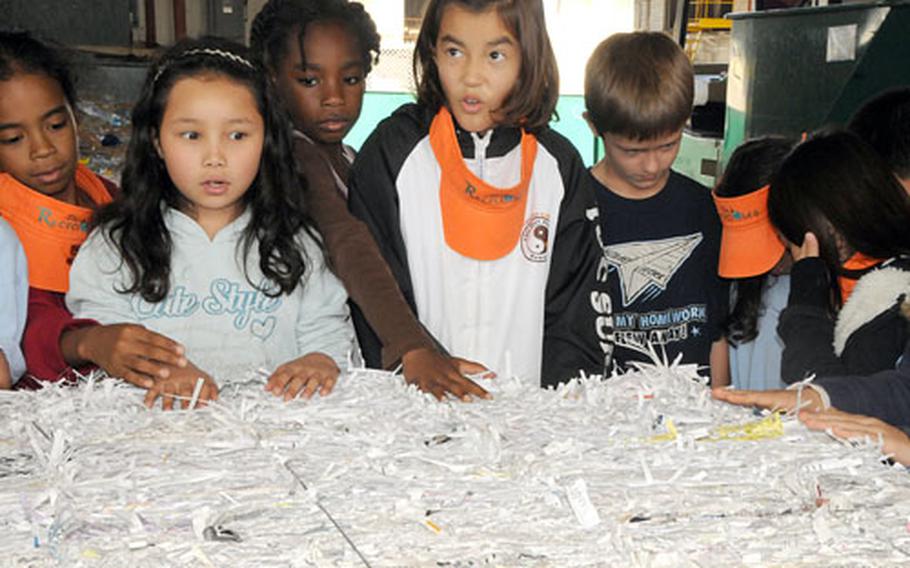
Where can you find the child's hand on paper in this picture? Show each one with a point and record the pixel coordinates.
(304, 376)
(181, 382)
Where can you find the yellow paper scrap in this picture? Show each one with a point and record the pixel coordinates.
(767, 428)
(433, 526)
(667, 436)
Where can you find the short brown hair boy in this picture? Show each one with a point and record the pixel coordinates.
(638, 85)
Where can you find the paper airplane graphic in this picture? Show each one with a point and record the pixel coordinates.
(644, 264)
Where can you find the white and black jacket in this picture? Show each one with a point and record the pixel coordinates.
(868, 335)
(541, 317)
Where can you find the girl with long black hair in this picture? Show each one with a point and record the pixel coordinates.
(847, 321)
(848, 221)
(756, 261)
(319, 54)
(210, 243)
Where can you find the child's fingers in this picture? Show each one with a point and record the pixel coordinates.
(456, 382)
(453, 384)
(157, 354)
(820, 417)
(211, 390)
(466, 367)
(185, 391)
(858, 428)
(159, 341)
(810, 245)
(174, 389)
(294, 386)
(834, 417)
(464, 388)
(435, 388)
(313, 380)
(304, 377)
(152, 395)
(742, 398)
(205, 395)
(732, 396)
(773, 400)
(328, 384)
(848, 432)
(278, 381)
(148, 368)
(808, 249)
(167, 397)
(851, 426)
(138, 379)
(780, 399)
(833, 412)
(862, 420)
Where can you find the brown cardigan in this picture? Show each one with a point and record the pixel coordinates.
(357, 261)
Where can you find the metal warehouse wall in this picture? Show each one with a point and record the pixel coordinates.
(71, 22)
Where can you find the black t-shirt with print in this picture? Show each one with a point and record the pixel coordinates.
(662, 254)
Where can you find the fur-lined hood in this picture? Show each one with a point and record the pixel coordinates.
(876, 292)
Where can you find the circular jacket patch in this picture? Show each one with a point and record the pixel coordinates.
(535, 238)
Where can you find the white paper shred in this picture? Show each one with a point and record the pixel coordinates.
(631, 471)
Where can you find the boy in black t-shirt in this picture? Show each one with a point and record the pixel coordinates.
(659, 229)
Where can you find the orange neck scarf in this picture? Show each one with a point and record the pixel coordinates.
(858, 261)
(479, 220)
(51, 231)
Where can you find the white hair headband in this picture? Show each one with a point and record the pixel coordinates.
(205, 51)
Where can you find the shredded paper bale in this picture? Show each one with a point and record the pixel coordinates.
(104, 134)
(642, 469)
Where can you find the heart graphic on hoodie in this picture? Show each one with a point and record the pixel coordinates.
(264, 328)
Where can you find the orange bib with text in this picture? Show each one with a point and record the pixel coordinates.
(51, 231)
(479, 220)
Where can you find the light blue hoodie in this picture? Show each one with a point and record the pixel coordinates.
(227, 326)
(13, 298)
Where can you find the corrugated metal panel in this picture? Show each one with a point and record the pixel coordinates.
(227, 18)
(796, 70)
(71, 22)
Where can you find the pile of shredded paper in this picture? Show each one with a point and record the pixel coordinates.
(643, 469)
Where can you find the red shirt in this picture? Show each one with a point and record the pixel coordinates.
(48, 317)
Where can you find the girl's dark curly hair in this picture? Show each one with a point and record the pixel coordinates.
(278, 18)
(20, 52)
(751, 167)
(134, 223)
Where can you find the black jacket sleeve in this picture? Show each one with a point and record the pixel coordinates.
(806, 325)
(884, 395)
(577, 322)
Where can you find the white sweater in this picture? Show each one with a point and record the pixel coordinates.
(227, 326)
